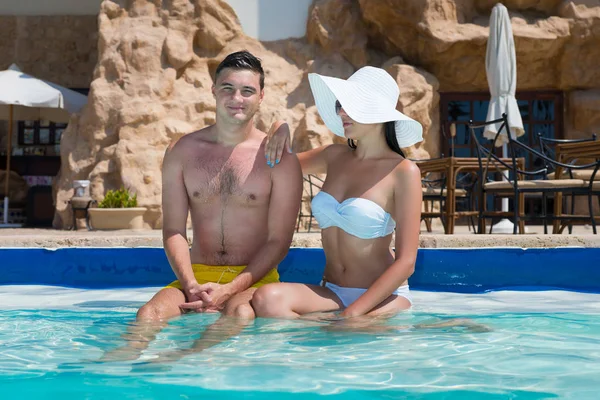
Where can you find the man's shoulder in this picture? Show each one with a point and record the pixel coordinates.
(288, 168)
(193, 140)
(258, 138)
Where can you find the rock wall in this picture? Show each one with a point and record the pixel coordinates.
(156, 60)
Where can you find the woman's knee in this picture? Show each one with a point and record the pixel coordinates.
(268, 301)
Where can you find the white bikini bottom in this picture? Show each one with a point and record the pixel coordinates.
(349, 295)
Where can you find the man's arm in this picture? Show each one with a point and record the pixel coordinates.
(175, 211)
(284, 205)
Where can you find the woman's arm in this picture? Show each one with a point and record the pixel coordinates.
(407, 214)
(312, 162)
(315, 161)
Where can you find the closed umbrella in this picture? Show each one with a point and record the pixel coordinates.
(501, 71)
(24, 97)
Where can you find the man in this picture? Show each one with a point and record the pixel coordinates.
(242, 211)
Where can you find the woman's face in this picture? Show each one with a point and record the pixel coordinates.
(352, 129)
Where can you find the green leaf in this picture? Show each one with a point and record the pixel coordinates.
(118, 199)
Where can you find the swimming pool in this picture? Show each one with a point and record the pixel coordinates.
(541, 304)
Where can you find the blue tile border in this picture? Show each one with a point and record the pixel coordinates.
(453, 270)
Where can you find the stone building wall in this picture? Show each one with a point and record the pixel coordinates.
(60, 49)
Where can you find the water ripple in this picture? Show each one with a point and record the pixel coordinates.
(534, 353)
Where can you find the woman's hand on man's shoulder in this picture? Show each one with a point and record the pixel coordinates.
(278, 141)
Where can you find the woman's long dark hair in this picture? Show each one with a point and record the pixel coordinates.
(390, 138)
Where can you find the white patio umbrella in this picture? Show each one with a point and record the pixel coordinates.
(501, 71)
(24, 97)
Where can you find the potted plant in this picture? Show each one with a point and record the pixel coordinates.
(118, 210)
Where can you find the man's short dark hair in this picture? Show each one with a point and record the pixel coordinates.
(242, 60)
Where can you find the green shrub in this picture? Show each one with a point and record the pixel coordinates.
(118, 199)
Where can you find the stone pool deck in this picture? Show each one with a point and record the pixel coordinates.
(50, 238)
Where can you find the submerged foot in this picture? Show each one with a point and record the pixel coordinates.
(458, 323)
(120, 354)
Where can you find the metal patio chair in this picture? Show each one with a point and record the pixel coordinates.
(547, 146)
(516, 185)
(312, 186)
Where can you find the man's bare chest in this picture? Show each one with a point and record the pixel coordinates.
(236, 179)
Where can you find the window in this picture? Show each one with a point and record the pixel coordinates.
(541, 113)
(39, 133)
(34, 136)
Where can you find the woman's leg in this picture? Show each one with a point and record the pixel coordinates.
(390, 306)
(290, 300)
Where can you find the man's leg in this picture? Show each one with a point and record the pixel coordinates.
(290, 300)
(236, 315)
(150, 319)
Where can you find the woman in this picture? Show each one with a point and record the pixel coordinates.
(370, 189)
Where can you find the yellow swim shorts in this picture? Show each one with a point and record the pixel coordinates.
(223, 274)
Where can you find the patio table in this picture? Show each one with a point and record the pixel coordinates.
(451, 167)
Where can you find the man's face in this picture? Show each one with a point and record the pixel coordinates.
(238, 95)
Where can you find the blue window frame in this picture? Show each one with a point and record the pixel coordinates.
(540, 111)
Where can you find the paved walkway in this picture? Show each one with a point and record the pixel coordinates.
(51, 238)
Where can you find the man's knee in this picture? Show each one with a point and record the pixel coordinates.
(268, 301)
(164, 305)
(153, 311)
(148, 312)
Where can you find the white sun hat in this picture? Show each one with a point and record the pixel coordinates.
(369, 96)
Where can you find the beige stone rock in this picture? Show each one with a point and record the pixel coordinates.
(296, 50)
(337, 27)
(218, 24)
(312, 132)
(449, 39)
(579, 9)
(157, 59)
(584, 118)
(419, 99)
(179, 44)
(579, 63)
(546, 6)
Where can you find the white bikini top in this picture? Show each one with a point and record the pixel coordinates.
(359, 217)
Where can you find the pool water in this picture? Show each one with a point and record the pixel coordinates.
(547, 349)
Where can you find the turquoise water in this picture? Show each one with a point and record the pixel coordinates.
(53, 354)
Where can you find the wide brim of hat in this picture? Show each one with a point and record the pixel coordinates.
(362, 105)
